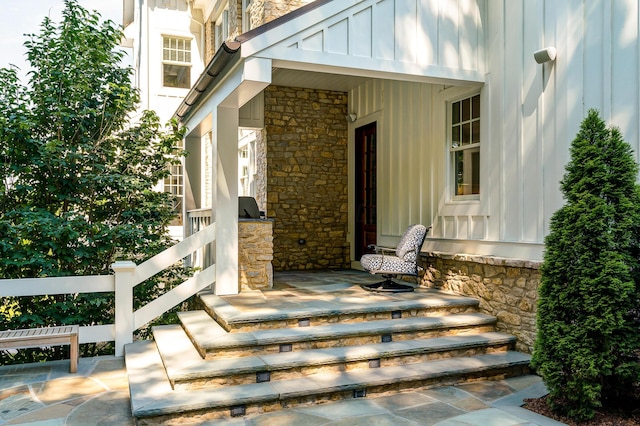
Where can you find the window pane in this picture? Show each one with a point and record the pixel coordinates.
(459, 172)
(467, 172)
(466, 109)
(176, 76)
(455, 112)
(455, 137)
(466, 134)
(475, 106)
(475, 172)
(475, 132)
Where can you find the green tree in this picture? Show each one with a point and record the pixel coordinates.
(588, 338)
(76, 176)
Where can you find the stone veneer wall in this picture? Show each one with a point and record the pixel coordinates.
(506, 288)
(255, 252)
(306, 137)
(263, 11)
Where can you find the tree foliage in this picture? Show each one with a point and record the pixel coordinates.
(76, 177)
(588, 334)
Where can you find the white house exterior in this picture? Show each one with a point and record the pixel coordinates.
(487, 180)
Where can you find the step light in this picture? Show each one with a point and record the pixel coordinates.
(386, 338)
(396, 314)
(263, 376)
(304, 322)
(374, 363)
(287, 347)
(238, 410)
(359, 393)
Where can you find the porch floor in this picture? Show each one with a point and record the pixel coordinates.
(302, 294)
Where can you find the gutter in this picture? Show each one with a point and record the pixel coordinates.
(223, 56)
(228, 52)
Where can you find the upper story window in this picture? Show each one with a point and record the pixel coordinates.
(465, 147)
(222, 28)
(176, 62)
(246, 15)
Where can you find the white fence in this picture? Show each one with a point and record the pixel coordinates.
(126, 276)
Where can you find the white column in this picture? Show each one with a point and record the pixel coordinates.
(226, 199)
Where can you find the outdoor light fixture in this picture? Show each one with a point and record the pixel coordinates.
(545, 55)
(351, 117)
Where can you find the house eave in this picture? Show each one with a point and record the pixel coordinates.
(226, 56)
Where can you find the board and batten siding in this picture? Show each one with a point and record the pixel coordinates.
(530, 114)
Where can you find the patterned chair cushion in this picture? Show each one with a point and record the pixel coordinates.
(411, 243)
(384, 263)
(405, 260)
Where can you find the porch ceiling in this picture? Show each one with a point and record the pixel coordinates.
(315, 80)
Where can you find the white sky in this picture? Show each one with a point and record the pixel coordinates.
(24, 17)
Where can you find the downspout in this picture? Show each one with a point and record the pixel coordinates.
(201, 24)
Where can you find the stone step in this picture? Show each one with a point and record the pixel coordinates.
(213, 342)
(187, 370)
(242, 313)
(153, 401)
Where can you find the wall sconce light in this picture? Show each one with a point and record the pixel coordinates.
(545, 55)
(351, 117)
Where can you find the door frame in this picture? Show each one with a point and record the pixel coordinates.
(352, 126)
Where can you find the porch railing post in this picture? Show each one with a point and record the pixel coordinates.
(124, 271)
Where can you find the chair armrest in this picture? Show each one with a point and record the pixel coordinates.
(382, 249)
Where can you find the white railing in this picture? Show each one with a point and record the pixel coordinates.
(199, 219)
(126, 276)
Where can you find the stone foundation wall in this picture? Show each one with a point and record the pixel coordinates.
(307, 172)
(506, 288)
(255, 252)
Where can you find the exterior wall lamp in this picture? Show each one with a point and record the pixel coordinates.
(351, 117)
(547, 54)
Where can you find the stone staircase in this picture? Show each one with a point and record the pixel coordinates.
(264, 351)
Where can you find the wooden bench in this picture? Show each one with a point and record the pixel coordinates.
(48, 336)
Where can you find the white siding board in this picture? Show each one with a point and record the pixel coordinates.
(384, 22)
(314, 42)
(338, 38)
(624, 102)
(406, 38)
(361, 33)
(469, 35)
(594, 64)
(532, 143)
(448, 31)
(511, 134)
(428, 27)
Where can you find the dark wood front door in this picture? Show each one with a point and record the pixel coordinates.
(365, 190)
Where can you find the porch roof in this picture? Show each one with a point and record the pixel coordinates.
(339, 44)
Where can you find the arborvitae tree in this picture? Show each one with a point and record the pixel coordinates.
(588, 337)
(76, 177)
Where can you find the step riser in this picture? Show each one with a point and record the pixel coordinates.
(333, 319)
(220, 353)
(211, 414)
(304, 371)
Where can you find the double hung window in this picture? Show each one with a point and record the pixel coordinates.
(464, 147)
(176, 62)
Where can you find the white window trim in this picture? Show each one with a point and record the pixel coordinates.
(246, 23)
(475, 205)
(168, 90)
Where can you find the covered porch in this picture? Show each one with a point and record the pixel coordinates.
(310, 90)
